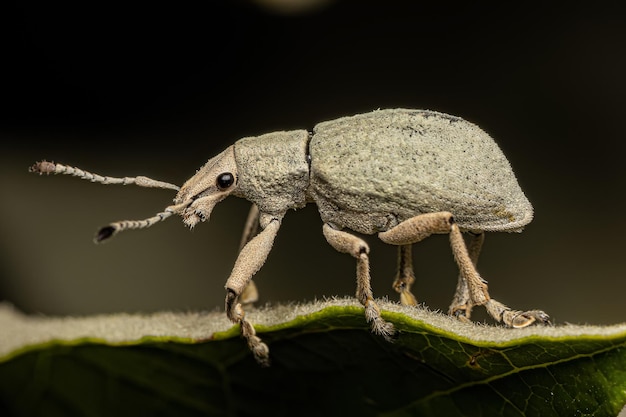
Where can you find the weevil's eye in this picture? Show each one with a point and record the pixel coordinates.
(225, 180)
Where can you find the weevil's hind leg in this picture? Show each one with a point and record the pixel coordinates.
(250, 260)
(348, 243)
(405, 277)
(421, 226)
(478, 293)
(250, 294)
(461, 306)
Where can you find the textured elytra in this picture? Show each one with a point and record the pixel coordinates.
(374, 170)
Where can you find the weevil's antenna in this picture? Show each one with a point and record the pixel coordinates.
(112, 229)
(45, 167)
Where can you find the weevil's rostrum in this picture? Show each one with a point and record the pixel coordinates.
(401, 174)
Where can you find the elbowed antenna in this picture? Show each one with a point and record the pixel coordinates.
(45, 167)
(112, 229)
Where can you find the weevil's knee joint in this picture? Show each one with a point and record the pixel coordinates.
(233, 309)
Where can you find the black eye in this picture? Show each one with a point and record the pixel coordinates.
(225, 180)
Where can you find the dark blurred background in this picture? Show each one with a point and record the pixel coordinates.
(157, 90)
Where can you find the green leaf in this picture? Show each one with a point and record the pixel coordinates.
(325, 362)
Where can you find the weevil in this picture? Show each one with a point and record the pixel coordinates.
(401, 174)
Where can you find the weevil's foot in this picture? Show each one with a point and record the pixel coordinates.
(378, 325)
(519, 319)
(462, 313)
(515, 318)
(407, 298)
(259, 350)
(403, 287)
(384, 329)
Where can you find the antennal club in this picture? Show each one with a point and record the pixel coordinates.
(45, 167)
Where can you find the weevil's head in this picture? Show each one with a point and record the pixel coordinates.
(210, 185)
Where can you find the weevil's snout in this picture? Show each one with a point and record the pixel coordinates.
(199, 210)
(210, 185)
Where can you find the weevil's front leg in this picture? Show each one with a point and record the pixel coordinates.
(250, 294)
(250, 260)
(461, 307)
(348, 243)
(405, 277)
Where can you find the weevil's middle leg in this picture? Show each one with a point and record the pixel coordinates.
(404, 235)
(250, 293)
(461, 305)
(347, 243)
(405, 277)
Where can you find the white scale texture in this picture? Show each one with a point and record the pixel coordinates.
(373, 170)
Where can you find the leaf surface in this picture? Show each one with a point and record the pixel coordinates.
(324, 362)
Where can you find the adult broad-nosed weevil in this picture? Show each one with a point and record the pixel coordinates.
(401, 174)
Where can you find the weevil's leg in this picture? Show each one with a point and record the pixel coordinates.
(250, 260)
(478, 293)
(419, 227)
(348, 243)
(251, 227)
(404, 235)
(461, 306)
(250, 294)
(405, 277)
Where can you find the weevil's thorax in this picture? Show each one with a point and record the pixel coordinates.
(273, 170)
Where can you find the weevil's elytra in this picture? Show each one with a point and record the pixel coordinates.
(401, 174)
(453, 166)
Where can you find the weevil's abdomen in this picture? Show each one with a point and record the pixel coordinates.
(371, 171)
